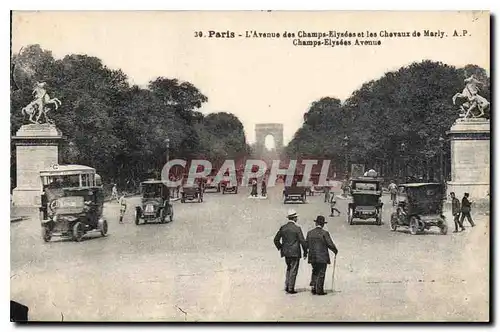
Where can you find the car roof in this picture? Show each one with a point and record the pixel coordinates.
(416, 185)
(67, 170)
(367, 192)
(151, 181)
(366, 179)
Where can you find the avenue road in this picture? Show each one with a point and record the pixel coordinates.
(217, 262)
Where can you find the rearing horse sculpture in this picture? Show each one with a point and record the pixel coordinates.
(39, 104)
(474, 100)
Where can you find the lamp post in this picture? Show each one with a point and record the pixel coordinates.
(345, 145)
(402, 148)
(167, 140)
(441, 164)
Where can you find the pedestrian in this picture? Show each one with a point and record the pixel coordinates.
(333, 208)
(254, 188)
(123, 207)
(466, 207)
(327, 191)
(455, 211)
(288, 241)
(114, 192)
(318, 242)
(393, 189)
(263, 187)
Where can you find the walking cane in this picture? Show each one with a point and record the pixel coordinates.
(333, 272)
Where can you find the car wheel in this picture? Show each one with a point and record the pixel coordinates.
(137, 217)
(78, 231)
(413, 226)
(378, 218)
(162, 216)
(444, 229)
(394, 222)
(171, 217)
(350, 216)
(103, 227)
(46, 234)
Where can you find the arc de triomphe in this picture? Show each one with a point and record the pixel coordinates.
(262, 130)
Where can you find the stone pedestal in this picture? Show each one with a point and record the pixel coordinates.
(37, 148)
(470, 158)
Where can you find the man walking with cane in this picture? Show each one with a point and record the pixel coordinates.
(318, 242)
(288, 241)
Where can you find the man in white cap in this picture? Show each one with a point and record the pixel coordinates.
(288, 241)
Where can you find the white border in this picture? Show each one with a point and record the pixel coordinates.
(187, 5)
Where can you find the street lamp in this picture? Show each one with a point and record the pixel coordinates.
(167, 140)
(346, 144)
(402, 148)
(441, 165)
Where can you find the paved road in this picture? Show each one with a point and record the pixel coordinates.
(217, 261)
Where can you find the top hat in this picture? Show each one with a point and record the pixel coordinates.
(320, 220)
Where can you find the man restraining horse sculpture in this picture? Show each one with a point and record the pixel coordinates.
(474, 100)
(38, 106)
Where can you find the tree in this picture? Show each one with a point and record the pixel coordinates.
(410, 108)
(121, 130)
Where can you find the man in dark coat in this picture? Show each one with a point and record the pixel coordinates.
(455, 211)
(318, 242)
(288, 241)
(466, 207)
(254, 188)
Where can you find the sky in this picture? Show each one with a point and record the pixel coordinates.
(258, 80)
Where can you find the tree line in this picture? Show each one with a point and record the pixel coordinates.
(118, 128)
(396, 124)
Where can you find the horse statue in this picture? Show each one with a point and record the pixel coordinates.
(474, 100)
(38, 106)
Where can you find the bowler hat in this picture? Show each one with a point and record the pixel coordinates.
(320, 220)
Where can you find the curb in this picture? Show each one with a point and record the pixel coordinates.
(17, 219)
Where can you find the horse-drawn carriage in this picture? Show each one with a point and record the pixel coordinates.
(419, 207)
(155, 203)
(71, 202)
(366, 193)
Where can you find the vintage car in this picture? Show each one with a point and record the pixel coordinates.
(228, 187)
(366, 193)
(155, 203)
(419, 207)
(210, 184)
(295, 192)
(317, 187)
(192, 192)
(71, 202)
